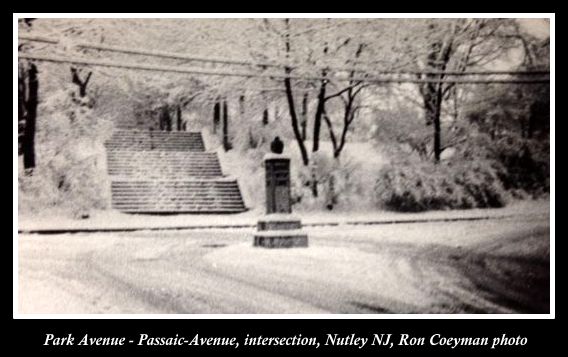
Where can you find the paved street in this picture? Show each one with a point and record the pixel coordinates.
(493, 266)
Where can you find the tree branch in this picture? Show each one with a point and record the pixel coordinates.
(354, 94)
(337, 94)
(86, 81)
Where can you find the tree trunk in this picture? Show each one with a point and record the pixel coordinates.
(314, 183)
(331, 199)
(437, 138)
(31, 101)
(21, 107)
(290, 99)
(437, 125)
(318, 116)
(178, 112)
(432, 109)
(294, 118)
(331, 132)
(242, 106)
(216, 115)
(168, 121)
(165, 119)
(226, 141)
(265, 117)
(321, 105)
(534, 110)
(304, 123)
(252, 142)
(348, 118)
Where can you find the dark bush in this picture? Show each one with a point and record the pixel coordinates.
(525, 165)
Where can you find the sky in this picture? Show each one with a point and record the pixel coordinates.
(539, 28)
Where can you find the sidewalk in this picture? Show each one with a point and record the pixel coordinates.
(113, 221)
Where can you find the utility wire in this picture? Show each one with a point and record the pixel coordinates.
(197, 71)
(174, 55)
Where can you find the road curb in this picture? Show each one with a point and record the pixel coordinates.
(72, 230)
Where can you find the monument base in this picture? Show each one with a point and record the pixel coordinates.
(281, 239)
(280, 231)
(278, 221)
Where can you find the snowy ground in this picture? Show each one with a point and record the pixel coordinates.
(490, 266)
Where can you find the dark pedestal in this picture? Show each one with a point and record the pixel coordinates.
(279, 229)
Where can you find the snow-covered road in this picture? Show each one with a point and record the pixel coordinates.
(494, 266)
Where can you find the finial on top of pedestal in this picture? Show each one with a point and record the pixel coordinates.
(277, 146)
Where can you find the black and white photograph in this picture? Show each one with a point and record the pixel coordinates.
(283, 165)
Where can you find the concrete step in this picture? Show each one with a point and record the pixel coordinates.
(163, 164)
(175, 196)
(178, 209)
(222, 183)
(156, 147)
(164, 174)
(156, 140)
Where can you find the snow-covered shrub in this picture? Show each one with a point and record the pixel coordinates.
(342, 185)
(420, 186)
(247, 167)
(71, 168)
(37, 193)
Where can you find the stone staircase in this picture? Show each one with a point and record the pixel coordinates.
(168, 172)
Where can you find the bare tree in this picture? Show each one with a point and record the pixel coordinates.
(455, 45)
(348, 97)
(290, 98)
(81, 83)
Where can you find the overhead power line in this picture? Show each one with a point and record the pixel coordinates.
(174, 55)
(198, 71)
(161, 54)
(37, 39)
